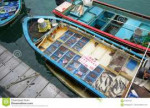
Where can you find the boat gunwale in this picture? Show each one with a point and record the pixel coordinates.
(26, 33)
(125, 10)
(11, 18)
(124, 42)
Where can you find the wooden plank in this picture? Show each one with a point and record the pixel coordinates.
(4, 57)
(61, 95)
(33, 90)
(20, 80)
(14, 75)
(9, 66)
(2, 49)
(21, 86)
(50, 91)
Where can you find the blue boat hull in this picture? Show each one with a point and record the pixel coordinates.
(29, 40)
(11, 18)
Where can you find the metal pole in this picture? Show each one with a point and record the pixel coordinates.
(138, 69)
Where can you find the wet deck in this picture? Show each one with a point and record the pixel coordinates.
(20, 80)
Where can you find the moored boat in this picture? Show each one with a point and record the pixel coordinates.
(126, 27)
(9, 10)
(101, 65)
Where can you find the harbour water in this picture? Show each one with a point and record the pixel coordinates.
(11, 36)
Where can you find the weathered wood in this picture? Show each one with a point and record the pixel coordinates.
(61, 95)
(14, 75)
(4, 57)
(2, 49)
(8, 67)
(18, 88)
(49, 91)
(22, 81)
(33, 90)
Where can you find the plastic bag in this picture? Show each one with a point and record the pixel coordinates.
(87, 2)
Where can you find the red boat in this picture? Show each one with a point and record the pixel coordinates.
(123, 26)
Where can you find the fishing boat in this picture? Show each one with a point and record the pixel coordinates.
(97, 63)
(122, 26)
(9, 10)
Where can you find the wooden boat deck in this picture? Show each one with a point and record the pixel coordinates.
(20, 80)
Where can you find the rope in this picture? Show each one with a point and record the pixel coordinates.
(21, 80)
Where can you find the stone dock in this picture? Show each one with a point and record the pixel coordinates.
(19, 80)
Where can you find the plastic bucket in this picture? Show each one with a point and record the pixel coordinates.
(41, 23)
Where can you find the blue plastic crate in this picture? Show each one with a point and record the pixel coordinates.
(64, 60)
(92, 75)
(81, 71)
(71, 41)
(74, 64)
(87, 17)
(54, 57)
(76, 58)
(70, 54)
(106, 16)
(98, 70)
(70, 68)
(57, 43)
(131, 65)
(89, 80)
(96, 10)
(124, 33)
(51, 48)
(132, 24)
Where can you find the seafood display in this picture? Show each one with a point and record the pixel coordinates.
(111, 84)
(118, 87)
(105, 81)
(118, 61)
(77, 51)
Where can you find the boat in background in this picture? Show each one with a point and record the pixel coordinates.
(9, 10)
(122, 26)
(99, 64)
